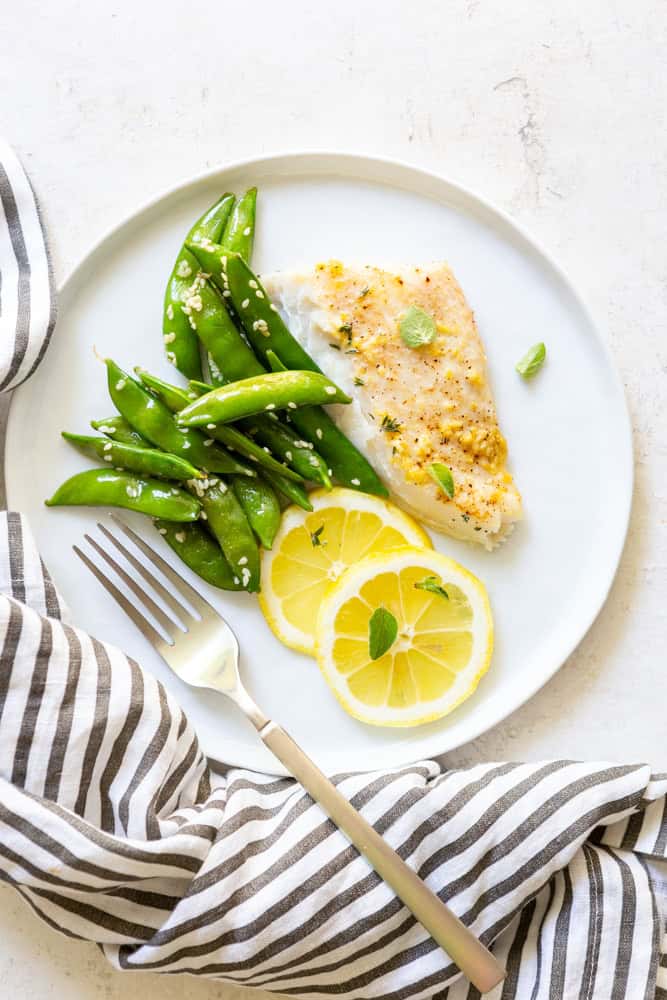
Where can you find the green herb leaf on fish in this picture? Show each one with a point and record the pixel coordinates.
(382, 632)
(417, 327)
(443, 478)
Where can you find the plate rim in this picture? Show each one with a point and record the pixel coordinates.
(310, 158)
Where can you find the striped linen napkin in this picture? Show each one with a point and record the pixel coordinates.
(114, 829)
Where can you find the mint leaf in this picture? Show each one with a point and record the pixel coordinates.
(433, 585)
(382, 632)
(532, 361)
(417, 327)
(443, 478)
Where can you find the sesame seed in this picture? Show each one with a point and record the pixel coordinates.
(247, 231)
(223, 260)
(245, 576)
(226, 293)
(273, 308)
(253, 458)
(184, 270)
(288, 456)
(313, 460)
(171, 357)
(355, 482)
(203, 515)
(330, 471)
(292, 406)
(330, 390)
(267, 450)
(186, 444)
(108, 446)
(318, 433)
(208, 442)
(169, 338)
(270, 406)
(236, 580)
(108, 458)
(252, 283)
(243, 561)
(170, 311)
(162, 531)
(180, 536)
(210, 427)
(120, 384)
(105, 429)
(259, 294)
(245, 303)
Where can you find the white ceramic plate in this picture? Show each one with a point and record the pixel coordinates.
(568, 433)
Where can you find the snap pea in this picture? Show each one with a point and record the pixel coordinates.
(144, 461)
(152, 418)
(178, 322)
(239, 232)
(219, 335)
(261, 321)
(272, 391)
(200, 552)
(345, 461)
(261, 507)
(294, 492)
(108, 488)
(225, 517)
(283, 442)
(118, 429)
(176, 399)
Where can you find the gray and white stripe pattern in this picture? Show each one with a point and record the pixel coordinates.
(27, 300)
(113, 829)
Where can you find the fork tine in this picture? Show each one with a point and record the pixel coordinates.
(175, 605)
(188, 592)
(130, 610)
(165, 622)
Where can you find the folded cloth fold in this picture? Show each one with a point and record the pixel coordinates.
(114, 829)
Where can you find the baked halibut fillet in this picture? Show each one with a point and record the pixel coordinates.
(412, 406)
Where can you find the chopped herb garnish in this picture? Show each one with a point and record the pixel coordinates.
(478, 528)
(466, 517)
(315, 537)
(345, 328)
(382, 632)
(433, 585)
(352, 350)
(417, 327)
(532, 361)
(443, 478)
(390, 425)
(336, 347)
(364, 292)
(358, 381)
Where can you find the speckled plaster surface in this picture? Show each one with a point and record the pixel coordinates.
(556, 112)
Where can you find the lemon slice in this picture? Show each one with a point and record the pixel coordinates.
(312, 549)
(443, 646)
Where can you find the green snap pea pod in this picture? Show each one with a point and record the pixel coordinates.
(261, 507)
(144, 461)
(344, 461)
(226, 519)
(239, 232)
(178, 318)
(118, 429)
(272, 391)
(176, 399)
(260, 319)
(294, 492)
(108, 488)
(200, 552)
(152, 418)
(218, 333)
(283, 442)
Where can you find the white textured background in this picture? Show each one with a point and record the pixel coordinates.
(555, 111)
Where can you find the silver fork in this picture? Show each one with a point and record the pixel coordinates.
(203, 652)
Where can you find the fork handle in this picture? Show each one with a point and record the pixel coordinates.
(474, 960)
